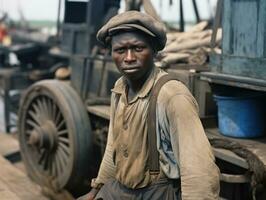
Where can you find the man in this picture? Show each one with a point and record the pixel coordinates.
(186, 163)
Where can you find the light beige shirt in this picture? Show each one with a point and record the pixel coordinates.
(181, 141)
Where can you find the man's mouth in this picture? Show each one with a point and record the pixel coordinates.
(130, 68)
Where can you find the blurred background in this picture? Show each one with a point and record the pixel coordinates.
(43, 13)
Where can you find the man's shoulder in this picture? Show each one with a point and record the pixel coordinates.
(176, 97)
(172, 88)
(176, 92)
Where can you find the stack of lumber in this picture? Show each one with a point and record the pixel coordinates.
(190, 47)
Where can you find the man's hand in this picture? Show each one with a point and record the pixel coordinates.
(92, 194)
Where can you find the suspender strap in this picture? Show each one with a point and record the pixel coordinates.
(153, 154)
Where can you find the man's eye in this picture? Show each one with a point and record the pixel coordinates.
(139, 48)
(120, 50)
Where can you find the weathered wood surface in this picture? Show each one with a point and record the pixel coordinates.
(9, 145)
(244, 28)
(100, 110)
(244, 40)
(256, 146)
(242, 66)
(230, 157)
(235, 81)
(5, 193)
(16, 184)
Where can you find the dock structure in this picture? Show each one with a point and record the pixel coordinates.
(16, 185)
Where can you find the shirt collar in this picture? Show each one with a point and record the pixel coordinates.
(121, 85)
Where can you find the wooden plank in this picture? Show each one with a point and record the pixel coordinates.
(235, 81)
(9, 145)
(18, 182)
(5, 193)
(244, 66)
(256, 146)
(230, 157)
(244, 27)
(227, 28)
(100, 110)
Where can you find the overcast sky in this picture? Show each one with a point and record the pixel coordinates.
(47, 9)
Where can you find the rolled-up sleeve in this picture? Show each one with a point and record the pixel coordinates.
(107, 167)
(198, 171)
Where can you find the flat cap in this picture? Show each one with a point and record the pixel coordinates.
(134, 20)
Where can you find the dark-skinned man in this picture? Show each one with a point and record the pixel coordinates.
(186, 167)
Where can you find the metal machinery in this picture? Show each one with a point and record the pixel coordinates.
(63, 125)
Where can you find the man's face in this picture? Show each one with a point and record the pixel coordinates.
(132, 54)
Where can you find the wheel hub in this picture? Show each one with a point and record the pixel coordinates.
(44, 136)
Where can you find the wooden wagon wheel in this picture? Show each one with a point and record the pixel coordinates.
(55, 135)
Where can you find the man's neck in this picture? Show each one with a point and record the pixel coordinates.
(134, 86)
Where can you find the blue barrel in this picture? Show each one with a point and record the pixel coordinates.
(241, 117)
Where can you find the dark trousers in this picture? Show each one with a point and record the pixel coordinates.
(163, 189)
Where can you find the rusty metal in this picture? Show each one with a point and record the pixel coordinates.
(54, 135)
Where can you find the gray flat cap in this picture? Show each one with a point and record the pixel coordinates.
(134, 20)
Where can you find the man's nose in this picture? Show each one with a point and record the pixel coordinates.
(130, 56)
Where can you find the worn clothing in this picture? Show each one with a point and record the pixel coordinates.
(130, 133)
(161, 189)
(184, 149)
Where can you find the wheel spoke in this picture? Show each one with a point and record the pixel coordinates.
(54, 111)
(62, 154)
(32, 123)
(42, 109)
(39, 103)
(50, 164)
(50, 108)
(41, 157)
(46, 160)
(45, 107)
(60, 124)
(60, 162)
(57, 118)
(57, 164)
(36, 108)
(64, 140)
(63, 132)
(54, 171)
(64, 147)
(38, 112)
(35, 117)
